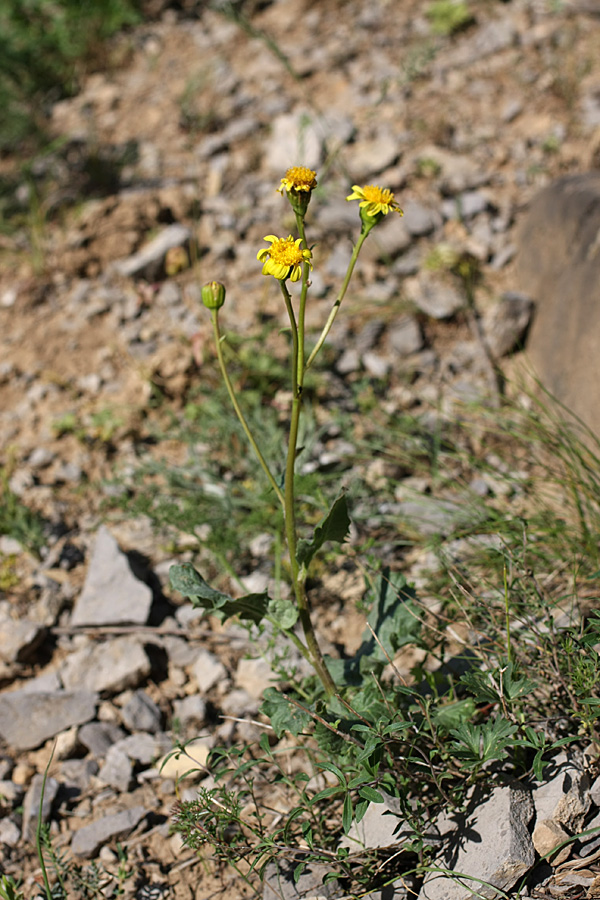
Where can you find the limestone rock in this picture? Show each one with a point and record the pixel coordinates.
(111, 594)
(490, 845)
(113, 666)
(28, 718)
(88, 840)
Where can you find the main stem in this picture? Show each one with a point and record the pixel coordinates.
(298, 576)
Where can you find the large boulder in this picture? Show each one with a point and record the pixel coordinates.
(559, 267)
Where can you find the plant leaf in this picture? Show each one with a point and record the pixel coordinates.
(283, 715)
(393, 616)
(284, 611)
(334, 527)
(189, 582)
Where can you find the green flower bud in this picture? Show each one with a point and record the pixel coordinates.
(213, 295)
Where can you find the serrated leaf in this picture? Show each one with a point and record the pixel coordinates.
(283, 715)
(284, 611)
(334, 527)
(189, 582)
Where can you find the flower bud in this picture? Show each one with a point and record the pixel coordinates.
(213, 295)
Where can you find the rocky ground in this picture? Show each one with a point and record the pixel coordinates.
(181, 143)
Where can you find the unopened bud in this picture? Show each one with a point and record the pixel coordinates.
(213, 295)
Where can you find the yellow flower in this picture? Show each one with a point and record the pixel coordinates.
(374, 200)
(284, 258)
(298, 178)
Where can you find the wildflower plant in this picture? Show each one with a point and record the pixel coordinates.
(359, 726)
(289, 259)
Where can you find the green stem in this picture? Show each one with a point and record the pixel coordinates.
(300, 368)
(295, 341)
(238, 411)
(334, 310)
(289, 505)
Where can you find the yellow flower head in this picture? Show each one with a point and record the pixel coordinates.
(298, 178)
(374, 201)
(284, 258)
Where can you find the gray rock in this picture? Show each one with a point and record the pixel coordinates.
(458, 173)
(465, 206)
(98, 737)
(239, 703)
(372, 155)
(375, 364)
(564, 797)
(295, 140)
(505, 324)
(388, 240)
(10, 793)
(149, 261)
(190, 710)
(420, 220)
(208, 671)
(490, 844)
(27, 719)
(559, 267)
(381, 826)
(31, 804)
(111, 593)
(348, 362)
(434, 296)
(254, 676)
(78, 773)
(405, 336)
(19, 638)
(88, 840)
(45, 683)
(279, 882)
(112, 666)
(141, 713)
(116, 770)
(144, 748)
(10, 834)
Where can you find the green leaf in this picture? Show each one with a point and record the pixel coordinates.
(284, 611)
(189, 582)
(454, 714)
(393, 617)
(361, 808)
(369, 793)
(334, 527)
(283, 715)
(347, 814)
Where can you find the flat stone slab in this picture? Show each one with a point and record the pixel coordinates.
(89, 839)
(29, 718)
(111, 594)
(485, 850)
